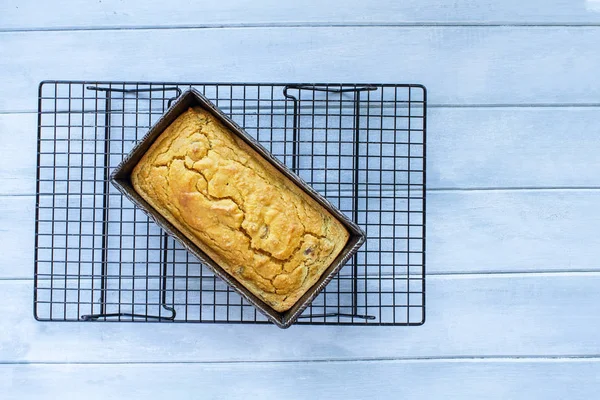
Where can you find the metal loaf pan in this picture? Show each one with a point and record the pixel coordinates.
(120, 178)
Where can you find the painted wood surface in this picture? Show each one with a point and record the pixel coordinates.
(474, 379)
(81, 14)
(508, 315)
(467, 232)
(512, 299)
(459, 65)
(468, 148)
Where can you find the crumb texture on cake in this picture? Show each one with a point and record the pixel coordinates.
(244, 213)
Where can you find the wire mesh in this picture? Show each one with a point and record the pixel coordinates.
(99, 258)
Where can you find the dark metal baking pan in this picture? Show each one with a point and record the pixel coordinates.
(121, 180)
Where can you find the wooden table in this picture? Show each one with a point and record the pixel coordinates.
(513, 221)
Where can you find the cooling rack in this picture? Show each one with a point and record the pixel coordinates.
(98, 258)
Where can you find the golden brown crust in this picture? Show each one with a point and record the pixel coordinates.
(239, 209)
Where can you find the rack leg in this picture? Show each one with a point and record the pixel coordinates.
(105, 215)
(105, 205)
(355, 194)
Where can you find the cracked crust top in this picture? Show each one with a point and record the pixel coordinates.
(239, 209)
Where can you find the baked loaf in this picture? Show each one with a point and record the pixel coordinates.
(240, 210)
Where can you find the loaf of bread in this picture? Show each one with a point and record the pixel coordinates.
(239, 209)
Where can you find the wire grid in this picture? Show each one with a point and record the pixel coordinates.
(99, 258)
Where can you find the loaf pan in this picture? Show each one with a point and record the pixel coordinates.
(120, 178)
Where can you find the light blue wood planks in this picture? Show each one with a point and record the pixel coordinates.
(476, 231)
(509, 315)
(18, 141)
(476, 379)
(467, 232)
(81, 14)
(468, 148)
(513, 147)
(459, 65)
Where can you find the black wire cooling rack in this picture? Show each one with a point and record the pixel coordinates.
(97, 258)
